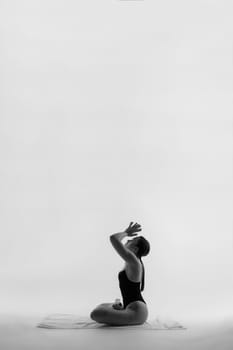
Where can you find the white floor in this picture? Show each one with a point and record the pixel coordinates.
(20, 333)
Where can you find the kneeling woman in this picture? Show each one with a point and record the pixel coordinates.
(134, 311)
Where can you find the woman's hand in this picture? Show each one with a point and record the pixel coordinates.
(132, 229)
(117, 305)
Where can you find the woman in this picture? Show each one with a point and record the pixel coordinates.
(135, 310)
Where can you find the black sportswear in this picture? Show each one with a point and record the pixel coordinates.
(130, 290)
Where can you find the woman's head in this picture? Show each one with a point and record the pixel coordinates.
(139, 245)
(143, 246)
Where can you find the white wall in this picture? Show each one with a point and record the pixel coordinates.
(111, 112)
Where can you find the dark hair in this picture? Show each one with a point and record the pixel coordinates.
(143, 250)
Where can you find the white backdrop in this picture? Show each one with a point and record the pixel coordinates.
(111, 112)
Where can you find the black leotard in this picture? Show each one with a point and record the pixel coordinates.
(130, 290)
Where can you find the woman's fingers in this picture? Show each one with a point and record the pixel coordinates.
(133, 228)
(136, 224)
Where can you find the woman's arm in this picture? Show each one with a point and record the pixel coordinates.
(119, 235)
(125, 253)
(130, 231)
(116, 238)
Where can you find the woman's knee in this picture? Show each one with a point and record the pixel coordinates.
(100, 311)
(94, 314)
(99, 315)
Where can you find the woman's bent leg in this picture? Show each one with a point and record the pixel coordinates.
(135, 313)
